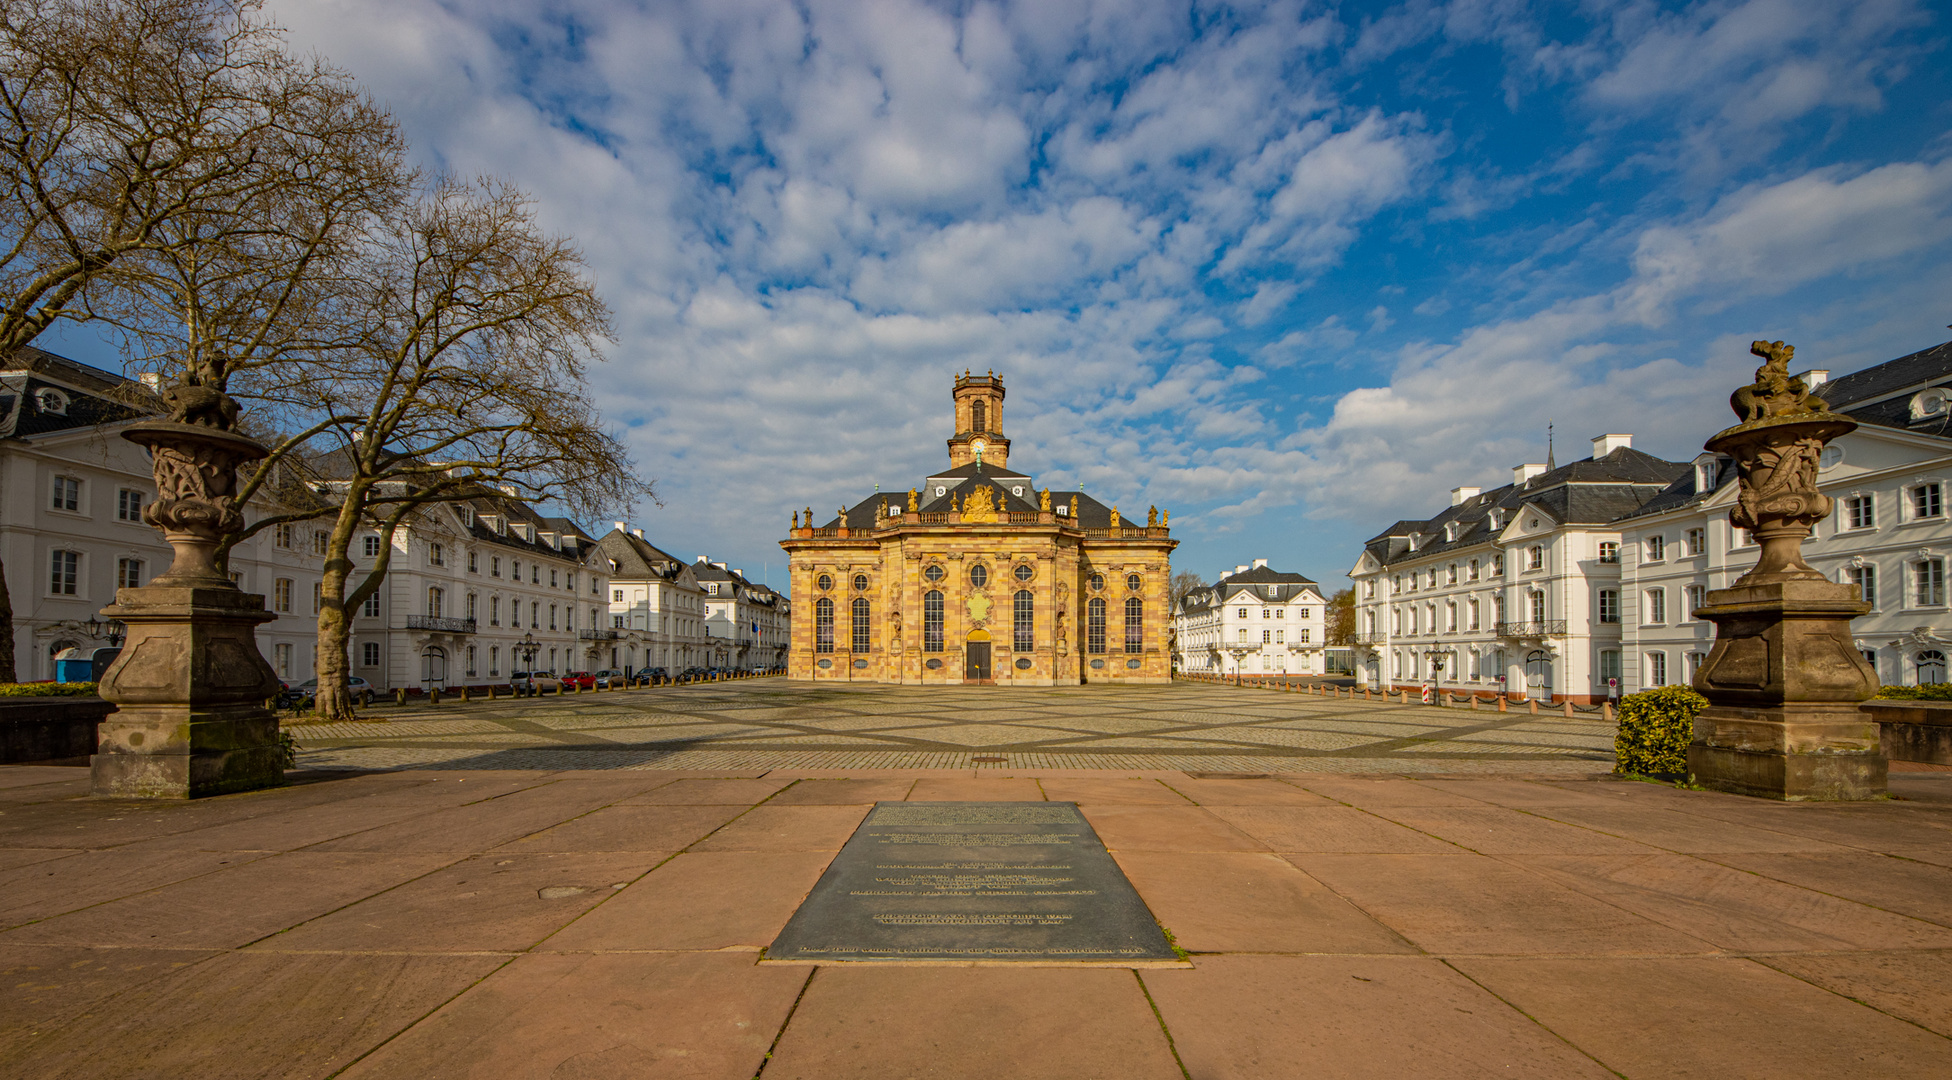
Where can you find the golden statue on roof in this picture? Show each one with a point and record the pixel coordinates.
(980, 505)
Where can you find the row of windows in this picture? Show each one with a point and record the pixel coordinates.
(1023, 617)
(1274, 637)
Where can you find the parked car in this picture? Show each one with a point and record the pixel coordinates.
(608, 678)
(304, 694)
(544, 682)
(580, 680)
(650, 676)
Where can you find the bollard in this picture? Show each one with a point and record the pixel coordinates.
(1569, 713)
(1474, 702)
(464, 695)
(1534, 703)
(1606, 711)
(1503, 701)
(434, 695)
(491, 692)
(399, 696)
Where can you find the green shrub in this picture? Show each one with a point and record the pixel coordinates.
(46, 689)
(1928, 692)
(1655, 729)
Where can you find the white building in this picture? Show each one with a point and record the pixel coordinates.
(1503, 590)
(657, 608)
(1253, 621)
(1888, 534)
(479, 589)
(746, 624)
(71, 531)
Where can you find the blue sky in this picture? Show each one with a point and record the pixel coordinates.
(1290, 270)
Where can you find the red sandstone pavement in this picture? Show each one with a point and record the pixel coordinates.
(609, 924)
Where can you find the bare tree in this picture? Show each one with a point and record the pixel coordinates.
(141, 135)
(1184, 582)
(469, 384)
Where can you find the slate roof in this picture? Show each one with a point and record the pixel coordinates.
(972, 469)
(638, 559)
(94, 396)
(1922, 368)
(1591, 491)
(1253, 581)
(1092, 514)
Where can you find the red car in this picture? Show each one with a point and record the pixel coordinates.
(580, 680)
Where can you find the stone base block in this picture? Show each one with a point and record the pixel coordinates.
(1816, 752)
(175, 753)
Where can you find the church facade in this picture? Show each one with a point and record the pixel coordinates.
(978, 577)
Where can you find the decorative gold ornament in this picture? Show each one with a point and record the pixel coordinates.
(1151, 516)
(980, 505)
(1044, 501)
(913, 503)
(1114, 515)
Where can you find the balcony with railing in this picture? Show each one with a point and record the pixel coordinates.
(440, 625)
(1374, 637)
(1549, 629)
(598, 635)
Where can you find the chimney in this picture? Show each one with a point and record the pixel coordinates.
(620, 527)
(152, 379)
(1521, 473)
(1814, 377)
(1606, 444)
(1460, 495)
(638, 533)
(1260, 564)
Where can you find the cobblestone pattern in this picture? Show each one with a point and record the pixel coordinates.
(778, 725)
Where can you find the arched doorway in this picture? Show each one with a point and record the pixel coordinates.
(1538, 674)
(433, 668)
(976, 658)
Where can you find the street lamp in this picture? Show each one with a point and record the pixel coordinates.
(1239, 654)
(528, 648)
(1436, 658)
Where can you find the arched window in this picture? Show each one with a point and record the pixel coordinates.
(1025, 612)
(1931, 667)
(1095, 625)
(1134, 624)
(979, 415)
(860, 624)
(823, 625)
(932, 621)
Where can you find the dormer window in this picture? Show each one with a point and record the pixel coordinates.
(1925, 404)
(467, 516)
(51, 401)
(1497, 519)
(1450, 533)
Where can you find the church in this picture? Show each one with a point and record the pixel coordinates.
(978, 577)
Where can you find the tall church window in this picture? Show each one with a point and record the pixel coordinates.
(860, 624)
(1095, 625)
(979, 415)
(932, 621)
(823, 625)
(1134, 624)
(1025, 612)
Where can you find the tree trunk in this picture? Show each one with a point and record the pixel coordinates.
(334, 700)
(7, 672)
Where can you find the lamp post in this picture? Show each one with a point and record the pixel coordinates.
(1239, 654)
(1436, 658)
(528, 648)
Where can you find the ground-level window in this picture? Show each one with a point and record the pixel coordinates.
(1656, 669)
(281, 659)
(823, 625)
(1609, 665)
(1134, 624)
(1095, 626)
(860, 624)
(1025, 611)
(1931, 667)
(494, 660)
(932, 621)
(471, 667)
(369, 654)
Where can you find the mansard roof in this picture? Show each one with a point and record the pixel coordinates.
(638, 559)
(1092, 514)
(1591, 491)
(1920, 369)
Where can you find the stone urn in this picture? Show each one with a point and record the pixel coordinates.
(190, 685)
(1784, 679)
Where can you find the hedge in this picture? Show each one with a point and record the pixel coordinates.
(1928, 692)
(47, 689)
(1655, 729)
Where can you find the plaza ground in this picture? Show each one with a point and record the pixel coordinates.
(601, 910)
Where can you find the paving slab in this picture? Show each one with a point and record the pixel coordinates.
(843, 792)
(1336, 1017)
(247, 1015)
(1475, 904)
(1266, 792)
(1498, 830)
(683, 1016)
(1530, 793)
(1914, 985)
(1167, 828)
(1097, 792)
(234, 906)
(1251, 902)
(1356, 791)
(21, 776)
(700, 900)
(1731, 908)
(787, 828)
(698, 791)
(13, 857)
(476, 826)
(1342, 829)
(954, 789)
(629, 827)
(1708, 1017)
(974, 1022)
(82, 879)
(1678, 830)
(497, 902)
(48, 986)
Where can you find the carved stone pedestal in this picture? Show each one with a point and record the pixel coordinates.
(1784, 679)
(190, 683)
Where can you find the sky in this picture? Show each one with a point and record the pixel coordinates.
(1291, 271)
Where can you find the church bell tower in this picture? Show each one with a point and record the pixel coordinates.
(979, 422)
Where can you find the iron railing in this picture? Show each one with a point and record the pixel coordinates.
(439, 624)
(598, 635)
(1550, 628)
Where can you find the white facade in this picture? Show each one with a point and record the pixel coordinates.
(71, 532)
(656, 607)
(1499, 593)
(1889, 534)
(1253, 621)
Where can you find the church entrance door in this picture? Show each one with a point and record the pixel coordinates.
(976, 659)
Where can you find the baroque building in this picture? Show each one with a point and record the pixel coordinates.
(1253, 621)
(977, 576)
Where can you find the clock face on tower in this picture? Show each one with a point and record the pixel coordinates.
(977, 446)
